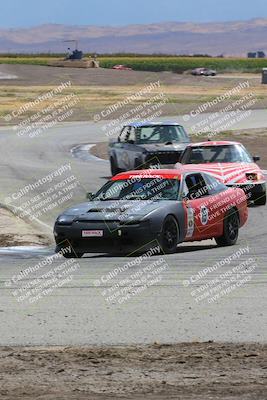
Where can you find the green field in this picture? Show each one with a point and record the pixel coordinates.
(30, 60)
(155, 63)
(181, 64)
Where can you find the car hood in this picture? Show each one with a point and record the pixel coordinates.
(228, 173)
(164, 147)
(115, 209)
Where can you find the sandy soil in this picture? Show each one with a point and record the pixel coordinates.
(247, 137)
(183, 371)
(16, 232)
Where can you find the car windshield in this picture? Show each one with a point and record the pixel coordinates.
(161, 134)
(154, 188)
(216, 154)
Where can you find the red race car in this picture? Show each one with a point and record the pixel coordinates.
(135, 209)
(122, 67)
(230, 163)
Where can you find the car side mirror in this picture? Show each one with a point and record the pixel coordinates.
(185, 197)
(89, 196)
(256, 158)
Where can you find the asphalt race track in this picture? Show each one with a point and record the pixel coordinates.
(166, 311)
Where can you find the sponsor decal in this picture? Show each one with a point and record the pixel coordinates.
(92, 233)
(204, 215)
(190, 222)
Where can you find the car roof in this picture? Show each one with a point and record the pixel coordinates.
(151, 123)
(214, 143)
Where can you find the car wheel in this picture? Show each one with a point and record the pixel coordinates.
(169, 235)
(113, 167)
(230, 229)
(261, 200)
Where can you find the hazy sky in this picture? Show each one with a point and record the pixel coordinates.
(23, 13)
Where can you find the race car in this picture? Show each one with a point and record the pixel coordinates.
(230, 163)
(122, 67)
(139, 210)
(203, 72)
(143, 144)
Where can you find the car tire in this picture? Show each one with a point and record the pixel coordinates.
(113, 167)
(230, 229)
(261, 200)
(169, 235)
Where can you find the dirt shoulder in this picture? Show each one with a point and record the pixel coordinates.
(181, 371)
(16, 232)
(255, 140)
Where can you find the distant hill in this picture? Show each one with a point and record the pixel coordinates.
(230, 38)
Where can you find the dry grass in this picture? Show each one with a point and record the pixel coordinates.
(91, 99)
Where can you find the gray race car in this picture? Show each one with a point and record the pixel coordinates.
(141, 145)
(140, 210)
(203, 72)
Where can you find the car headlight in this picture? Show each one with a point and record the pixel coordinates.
(130, 220)
(65, 220)
(253, 176)
(134, 220)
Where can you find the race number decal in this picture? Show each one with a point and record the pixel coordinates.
(190, 222)
(204, 215)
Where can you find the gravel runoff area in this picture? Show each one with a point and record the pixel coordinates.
(14, 231)
(179, 371)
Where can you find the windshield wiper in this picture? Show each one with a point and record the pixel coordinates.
(106, 199)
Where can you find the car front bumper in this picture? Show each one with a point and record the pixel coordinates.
(253, 190)
(115, 239)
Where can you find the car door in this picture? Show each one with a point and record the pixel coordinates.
(218, 203)
(198, 200)
(129, 150)
(122, 150)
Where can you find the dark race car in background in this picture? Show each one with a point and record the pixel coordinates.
(139, 210)
(230, 163)
(203, 72)
(141, 145)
